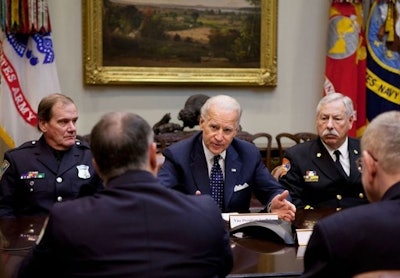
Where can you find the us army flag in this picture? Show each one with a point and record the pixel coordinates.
(28, 73)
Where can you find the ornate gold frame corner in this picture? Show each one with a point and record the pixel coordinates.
(97, 74)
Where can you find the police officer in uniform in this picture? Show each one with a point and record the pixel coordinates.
(322, 173)
(55, 168)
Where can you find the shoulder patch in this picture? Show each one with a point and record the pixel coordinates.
(285, 167)
(281, 170)
(286, 163)
(4, 167)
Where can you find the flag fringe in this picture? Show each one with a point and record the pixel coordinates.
(24, 16)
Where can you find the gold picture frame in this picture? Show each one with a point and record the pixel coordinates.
(96, 73)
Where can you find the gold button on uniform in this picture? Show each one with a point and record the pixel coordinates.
(339, 197)
(59, 199)
(59, 179)
(361, 195)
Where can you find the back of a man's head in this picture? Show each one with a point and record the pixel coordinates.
(382, 140)
(120, 142)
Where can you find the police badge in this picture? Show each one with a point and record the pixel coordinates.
(83, 171)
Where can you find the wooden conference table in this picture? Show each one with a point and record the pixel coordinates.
(253, 257)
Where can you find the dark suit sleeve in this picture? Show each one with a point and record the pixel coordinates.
(317, 256)
(292, 180)
(95, 185)
(220, 252)
(253, 172)
(7, 187)
(169, 172)
(227, 260)
(265, 187)
(41, 261)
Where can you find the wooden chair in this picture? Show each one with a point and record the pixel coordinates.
(263, 141)
(306, 136)
(163, 140)
(285, 140)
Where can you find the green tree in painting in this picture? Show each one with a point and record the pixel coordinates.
(119, 20)
(152, 26)
(243, 44)
(195, 16)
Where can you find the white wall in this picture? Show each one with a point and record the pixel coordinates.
(302, 28)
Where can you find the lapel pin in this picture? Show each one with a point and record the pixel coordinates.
(355, 152)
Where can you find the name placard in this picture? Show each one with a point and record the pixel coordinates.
(242, 218)
(303, 235)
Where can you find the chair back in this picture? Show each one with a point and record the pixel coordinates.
(285, 140)
(163, 140)
(306, 136)
(263, 141)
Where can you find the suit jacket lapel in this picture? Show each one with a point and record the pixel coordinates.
(323, 161)
(232, 168)
(201, 177)
(71, 159)
(45, 156)
(354, 154)
(199, 168)
(325, 164)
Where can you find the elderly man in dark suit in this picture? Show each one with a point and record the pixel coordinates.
(364, 238)
(311, 170)
(134, 227)
(188, 165)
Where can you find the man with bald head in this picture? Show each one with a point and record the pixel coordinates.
(134, 227)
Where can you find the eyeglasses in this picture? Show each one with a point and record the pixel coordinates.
(359, 161)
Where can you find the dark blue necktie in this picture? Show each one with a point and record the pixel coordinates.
(217, 183)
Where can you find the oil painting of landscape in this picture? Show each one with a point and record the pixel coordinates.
(218, 33)
(180, 42)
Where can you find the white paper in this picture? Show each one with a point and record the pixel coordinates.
(242, 218)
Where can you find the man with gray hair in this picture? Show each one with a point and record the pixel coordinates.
(134, 227)
(214, 162)
(364, 238)
(322, 173)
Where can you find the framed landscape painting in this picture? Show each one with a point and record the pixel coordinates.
(180, 42)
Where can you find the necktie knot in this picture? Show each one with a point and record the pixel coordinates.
(216, 159)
